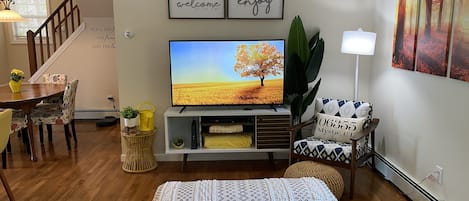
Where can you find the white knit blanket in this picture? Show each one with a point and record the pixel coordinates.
(274, 189)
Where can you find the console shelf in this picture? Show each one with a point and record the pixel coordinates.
(267, 128)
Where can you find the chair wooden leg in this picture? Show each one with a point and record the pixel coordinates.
(353, 165)
(49, 132)
(6, 186)
(67, 134)
(74, 131)
(9, 145)
(41, 133)
(4, 159)
(373, 150)
(352, 182)
(24, 134)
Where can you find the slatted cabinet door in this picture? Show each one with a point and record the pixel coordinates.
(272, 131)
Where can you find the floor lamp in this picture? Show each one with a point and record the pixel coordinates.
(359, 43)
(7, 15)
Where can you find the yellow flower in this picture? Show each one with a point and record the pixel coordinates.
(16, 75)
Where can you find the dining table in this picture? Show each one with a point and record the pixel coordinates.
(26, 100)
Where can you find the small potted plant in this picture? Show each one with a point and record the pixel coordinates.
(178, 143)
(130, 116)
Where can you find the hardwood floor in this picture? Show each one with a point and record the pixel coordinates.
(92, 171)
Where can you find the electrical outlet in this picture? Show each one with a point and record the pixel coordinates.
(437, 174)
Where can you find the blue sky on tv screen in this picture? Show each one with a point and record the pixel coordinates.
(210, 61)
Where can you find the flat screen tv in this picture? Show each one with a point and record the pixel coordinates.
(234, 72)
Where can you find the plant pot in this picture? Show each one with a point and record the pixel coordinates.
(15, 86)
(130, 122)
(178, 146)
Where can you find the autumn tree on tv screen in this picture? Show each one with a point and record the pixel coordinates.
(258, 60)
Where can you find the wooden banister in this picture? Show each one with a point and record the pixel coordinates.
(60, 24)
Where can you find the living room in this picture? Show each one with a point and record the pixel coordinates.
(421, 115)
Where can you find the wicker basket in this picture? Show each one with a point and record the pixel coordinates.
(139, 154)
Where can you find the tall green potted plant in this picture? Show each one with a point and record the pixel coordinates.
(302, 67)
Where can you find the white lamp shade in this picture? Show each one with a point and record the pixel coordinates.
(10, 16)
(358, 42)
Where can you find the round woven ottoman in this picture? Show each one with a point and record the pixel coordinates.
(328, 174)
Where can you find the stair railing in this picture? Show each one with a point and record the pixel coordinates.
(45, 41)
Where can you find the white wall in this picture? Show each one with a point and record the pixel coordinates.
(143, 63)
(91, 60)
(423, 117)
(91, 8)
(4, 68)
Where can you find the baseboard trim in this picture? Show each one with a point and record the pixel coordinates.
(406, 184)
(95, 114)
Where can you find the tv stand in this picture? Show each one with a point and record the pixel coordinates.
(268, 129)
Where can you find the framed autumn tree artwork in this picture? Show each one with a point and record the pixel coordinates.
(422, 35)
(460, 57)
(434, 35)
(405, 34)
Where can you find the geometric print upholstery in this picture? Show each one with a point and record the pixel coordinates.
(57, 114)
(328, 149)
(343, 108)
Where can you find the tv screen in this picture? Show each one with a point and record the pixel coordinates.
(247, 72)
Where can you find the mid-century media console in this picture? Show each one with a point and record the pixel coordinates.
(268, 129)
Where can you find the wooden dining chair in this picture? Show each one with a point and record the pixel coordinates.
(5, 125)
(51, 78)
(62, 114)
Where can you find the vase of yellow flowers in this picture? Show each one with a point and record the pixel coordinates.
(16, 79)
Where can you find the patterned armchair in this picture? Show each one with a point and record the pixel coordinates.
(59, 114)
(341, 130)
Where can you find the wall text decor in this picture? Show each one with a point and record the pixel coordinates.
(255, 9)
(200, 9)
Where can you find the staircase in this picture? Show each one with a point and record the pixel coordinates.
(56, 29)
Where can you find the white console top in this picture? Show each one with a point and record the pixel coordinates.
(200, 111)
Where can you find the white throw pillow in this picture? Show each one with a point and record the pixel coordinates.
(337, 128)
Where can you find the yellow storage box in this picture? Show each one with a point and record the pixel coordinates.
(227, 141)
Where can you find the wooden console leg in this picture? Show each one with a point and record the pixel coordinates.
(184, 162)
(271, 159)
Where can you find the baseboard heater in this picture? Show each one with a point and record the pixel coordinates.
(407, 185)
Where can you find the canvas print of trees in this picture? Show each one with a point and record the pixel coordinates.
(422, 35)
(460, 56)
(433, 40)
(405, 35)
